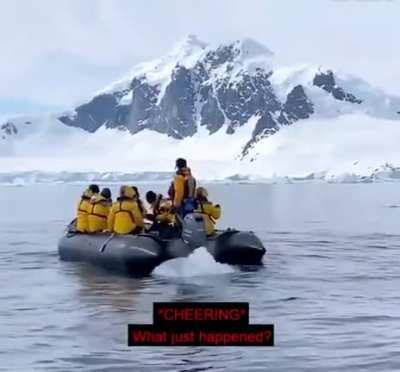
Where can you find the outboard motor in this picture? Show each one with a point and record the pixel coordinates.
(194, 230)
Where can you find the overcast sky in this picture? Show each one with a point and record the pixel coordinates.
(55, 53)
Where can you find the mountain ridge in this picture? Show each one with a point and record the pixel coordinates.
(220, 89)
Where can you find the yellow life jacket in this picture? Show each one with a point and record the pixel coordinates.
(211, 213)
(98, 212)
(125, 217)
(182, 187)
(82, 212)
(164, 212)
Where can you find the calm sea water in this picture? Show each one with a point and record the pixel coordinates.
(330, 284)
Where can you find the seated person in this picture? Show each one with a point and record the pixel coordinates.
(154, 201)
(139, 201)
(164, 213)
(164, 222)
(125, 216)
(100, 206)
(211, 211)
(82, 224)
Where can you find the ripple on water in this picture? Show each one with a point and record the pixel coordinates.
(330, 288)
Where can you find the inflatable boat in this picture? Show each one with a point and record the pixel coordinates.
(140, 254)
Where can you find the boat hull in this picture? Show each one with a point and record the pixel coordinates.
(140, 254)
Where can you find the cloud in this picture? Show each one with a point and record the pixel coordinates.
(59, 52)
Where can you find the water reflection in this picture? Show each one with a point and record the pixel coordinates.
(330, 285)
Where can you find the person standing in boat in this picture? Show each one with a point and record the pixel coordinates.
(182, 189)
(100, 206)
(82, 224)
(125, 216)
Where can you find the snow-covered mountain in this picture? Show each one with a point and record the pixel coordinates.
(197, 97)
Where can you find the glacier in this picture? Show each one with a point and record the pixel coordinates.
(235, 115)
(311, 151)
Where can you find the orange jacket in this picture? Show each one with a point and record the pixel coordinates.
(183, 186)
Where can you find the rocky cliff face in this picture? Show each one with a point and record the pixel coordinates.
(326, 81)
(219, 89)
(8, 129)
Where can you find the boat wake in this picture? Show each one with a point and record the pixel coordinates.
(199, 263)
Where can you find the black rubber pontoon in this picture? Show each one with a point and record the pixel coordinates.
(140, 254)
(130, 254)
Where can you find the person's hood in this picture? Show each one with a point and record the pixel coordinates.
(185, 171)
(128, 192)
(87, 194)
(97, 199)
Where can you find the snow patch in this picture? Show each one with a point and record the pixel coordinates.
(126, 99)
(159, 72)
(351, 144)
(254, 56)
(33, 177)
(284, 79)
(320, 150)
